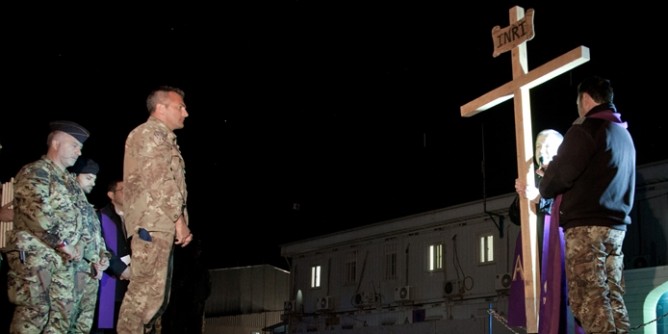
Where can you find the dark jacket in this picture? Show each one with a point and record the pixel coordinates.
(595, 171)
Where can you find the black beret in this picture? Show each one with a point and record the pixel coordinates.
(85, 166)
(73, 129)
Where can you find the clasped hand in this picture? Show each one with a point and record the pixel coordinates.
(529, 192)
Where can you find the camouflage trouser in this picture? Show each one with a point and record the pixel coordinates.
(594, 271)
(148, 292)
(85, 296)
(41, 287)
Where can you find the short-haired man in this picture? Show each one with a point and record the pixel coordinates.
(593, 175)
(156, 216)
(47, 227)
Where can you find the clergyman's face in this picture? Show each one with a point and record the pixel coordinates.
(116, 196)
(546, 148)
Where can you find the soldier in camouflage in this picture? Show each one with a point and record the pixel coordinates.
(47, 228)
(88, 270)
(156, 217)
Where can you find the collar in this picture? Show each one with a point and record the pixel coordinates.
(606, 111)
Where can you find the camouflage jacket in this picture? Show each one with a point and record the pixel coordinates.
(155, 192)
(46, 205)
(94, 246)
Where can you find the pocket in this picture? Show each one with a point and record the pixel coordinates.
(23, 284)
(145, 257)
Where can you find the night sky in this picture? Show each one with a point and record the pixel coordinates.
(311, 117)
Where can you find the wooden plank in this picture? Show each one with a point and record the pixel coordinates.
(538, 76)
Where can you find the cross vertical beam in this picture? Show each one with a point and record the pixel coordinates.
(519, 87)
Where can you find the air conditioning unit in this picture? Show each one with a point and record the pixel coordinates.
(323, 304)
(503, 281)
(402, 293)
(360, 299)
(451, 288)
(289, 306)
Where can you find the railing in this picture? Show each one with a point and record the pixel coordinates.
(7, 197)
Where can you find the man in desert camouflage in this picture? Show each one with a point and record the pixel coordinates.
(156, 217)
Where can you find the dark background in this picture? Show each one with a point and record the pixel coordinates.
(312, 117)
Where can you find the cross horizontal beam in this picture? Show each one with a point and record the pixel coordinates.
(534, 78)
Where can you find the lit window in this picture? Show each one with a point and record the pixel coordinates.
(487, 248)
(315, 276)
(435, 257)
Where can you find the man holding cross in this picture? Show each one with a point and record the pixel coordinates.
(592, 177)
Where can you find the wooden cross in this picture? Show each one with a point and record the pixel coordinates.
(514, 38)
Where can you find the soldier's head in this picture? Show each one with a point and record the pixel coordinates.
(65, 142)
(166, 104)
(86, 173)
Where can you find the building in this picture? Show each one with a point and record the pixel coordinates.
(245, 300)
(449, 270)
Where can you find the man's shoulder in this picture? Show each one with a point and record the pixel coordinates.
(147, 129)
(106, 210)
(39, 163)
(37, 169)
(139, 129)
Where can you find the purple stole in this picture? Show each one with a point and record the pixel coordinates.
(107, 299)
(553, 310)
(609, 115)
(552, 279)
(516, 313)
(553, 313)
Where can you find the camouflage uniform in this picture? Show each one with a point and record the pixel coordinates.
(40, 280)
(593, 272)
(155, 197)
(86, 284)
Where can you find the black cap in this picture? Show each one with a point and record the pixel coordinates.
(73, 129)
(85, 166)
